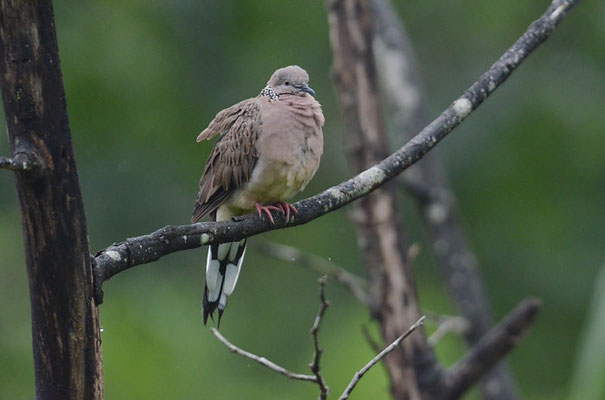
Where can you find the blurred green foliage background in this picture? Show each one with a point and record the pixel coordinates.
(143, 78)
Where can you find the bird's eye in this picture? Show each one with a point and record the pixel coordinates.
(287, 83)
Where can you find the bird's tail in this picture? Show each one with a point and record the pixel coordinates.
(222, 270)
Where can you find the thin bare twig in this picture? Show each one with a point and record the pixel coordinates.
(355, 284)
(445, 325)
(261, 360)
(317, 378)
(324, 390)
(359, 374)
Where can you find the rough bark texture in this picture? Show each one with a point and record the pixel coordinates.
(428, 184)
(65, 326)
(377, 218)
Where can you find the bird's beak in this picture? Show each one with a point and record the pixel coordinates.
(307, 89)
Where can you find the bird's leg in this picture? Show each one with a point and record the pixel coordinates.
(267, 210)
(286, 207)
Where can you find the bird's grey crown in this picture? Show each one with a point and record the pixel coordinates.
(270, 93)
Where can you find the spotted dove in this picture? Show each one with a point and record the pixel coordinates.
(268, 150)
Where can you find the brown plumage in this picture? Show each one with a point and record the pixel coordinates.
(232, 158)
(268, 149)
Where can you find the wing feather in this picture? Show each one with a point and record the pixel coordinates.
(233, 157)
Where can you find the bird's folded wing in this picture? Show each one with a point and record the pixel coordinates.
(233, 157)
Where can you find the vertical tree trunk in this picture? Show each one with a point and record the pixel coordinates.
(65, 325)
(402, 88)
(377, 217)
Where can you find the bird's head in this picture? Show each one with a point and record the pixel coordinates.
(290, 80)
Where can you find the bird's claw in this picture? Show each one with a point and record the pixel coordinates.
(282, 206)
(286, 207)
(267, 210)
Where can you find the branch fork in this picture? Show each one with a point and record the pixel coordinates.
(314, 366)
(317, 377)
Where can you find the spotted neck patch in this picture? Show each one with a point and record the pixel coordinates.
(270, 93)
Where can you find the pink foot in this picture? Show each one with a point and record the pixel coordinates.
(279, 206)
(286, 207)
(267, 210)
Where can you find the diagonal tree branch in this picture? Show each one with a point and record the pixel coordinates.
(355, 284)
(262, 360)
(492, 347)
(147, 248)
(359, 374)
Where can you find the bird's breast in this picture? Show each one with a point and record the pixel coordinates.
(275, 180)
(289, 147)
